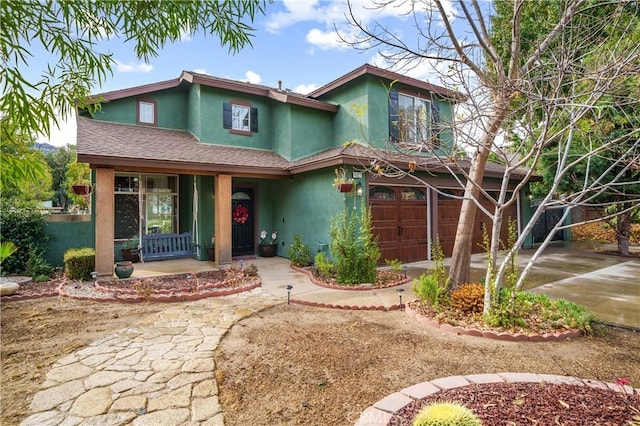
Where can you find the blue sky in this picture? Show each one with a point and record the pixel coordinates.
(295, 42)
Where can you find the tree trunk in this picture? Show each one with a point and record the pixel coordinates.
(460, 270)
(623, 232)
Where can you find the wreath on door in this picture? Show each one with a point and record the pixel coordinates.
(240, 214)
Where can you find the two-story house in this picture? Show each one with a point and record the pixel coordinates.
(211, 156)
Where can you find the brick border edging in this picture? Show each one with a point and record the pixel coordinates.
(16, 297)
(343, 287)
(505, 336)
(344, 307)
(381, 412)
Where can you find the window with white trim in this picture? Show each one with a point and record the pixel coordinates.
(146, 112)
(240, 117)
(414, 118)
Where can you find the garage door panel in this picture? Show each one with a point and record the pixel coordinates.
(400, 223)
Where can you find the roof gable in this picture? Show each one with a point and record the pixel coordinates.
(368, 69)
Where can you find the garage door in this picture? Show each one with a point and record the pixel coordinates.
(399, 219)
(449, 213)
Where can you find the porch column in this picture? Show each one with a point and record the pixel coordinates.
(104, 228)
(222, 188)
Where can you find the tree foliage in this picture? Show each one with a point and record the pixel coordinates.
(68, 33)
(23, 168)
(530, 72)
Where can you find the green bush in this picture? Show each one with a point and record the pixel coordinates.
(432, 286)
(354, 247)
(299, 253)
(446, 414)
(323, 267)
(512, 307)
(394, 265)
(79, 263)
(427, 289)
(25, 226)
(37, 265)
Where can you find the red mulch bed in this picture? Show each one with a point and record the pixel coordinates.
(535, 404)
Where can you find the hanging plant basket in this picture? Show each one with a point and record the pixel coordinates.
(81, 189)
(344, 187)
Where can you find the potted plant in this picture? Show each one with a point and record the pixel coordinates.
(131, 250)
(268, 246)
(211, 248)
(341, 182)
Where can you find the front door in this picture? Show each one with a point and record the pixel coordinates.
(242, 222)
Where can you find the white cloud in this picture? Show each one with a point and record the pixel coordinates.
(133, 67)
(200, 71)
(325, 40)
(305, 88)
(252, 77)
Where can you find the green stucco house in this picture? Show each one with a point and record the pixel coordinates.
(207, 156)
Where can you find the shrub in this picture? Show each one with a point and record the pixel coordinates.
(432, 286)
(299, 253)
(468, 298)
(323, 267)
(79, 263)
(354, 247)
(37, 266)
(426, 287)
(25, 226)
(446, 414)
(394, 265)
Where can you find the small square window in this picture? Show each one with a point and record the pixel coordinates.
(146, 112)
(240, 117)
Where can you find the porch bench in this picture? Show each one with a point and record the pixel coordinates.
(167, 246)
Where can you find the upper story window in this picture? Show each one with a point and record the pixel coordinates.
(146, 112)
(411, 119)
(240, 117)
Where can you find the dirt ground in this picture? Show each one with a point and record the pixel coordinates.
(295, 365)
(36, 333)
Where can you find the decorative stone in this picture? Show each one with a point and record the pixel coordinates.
(8, 288)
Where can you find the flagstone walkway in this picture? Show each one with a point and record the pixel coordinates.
(159, 371)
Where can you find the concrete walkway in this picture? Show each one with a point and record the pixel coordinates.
(160, 371)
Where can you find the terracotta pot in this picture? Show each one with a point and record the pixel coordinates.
(344, 187)
(268, 250)
(124, 269)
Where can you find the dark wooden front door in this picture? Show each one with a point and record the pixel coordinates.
(400, 222)
(243, 222)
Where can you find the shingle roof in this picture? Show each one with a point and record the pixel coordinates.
(115, 144)
(129, 146)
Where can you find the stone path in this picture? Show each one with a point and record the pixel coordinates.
(159, 371)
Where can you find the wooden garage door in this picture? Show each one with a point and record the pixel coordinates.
(449, 213)
(399, 216)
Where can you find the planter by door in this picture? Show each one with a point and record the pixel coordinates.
(344, 187)
(268, 250)
(124, 269)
